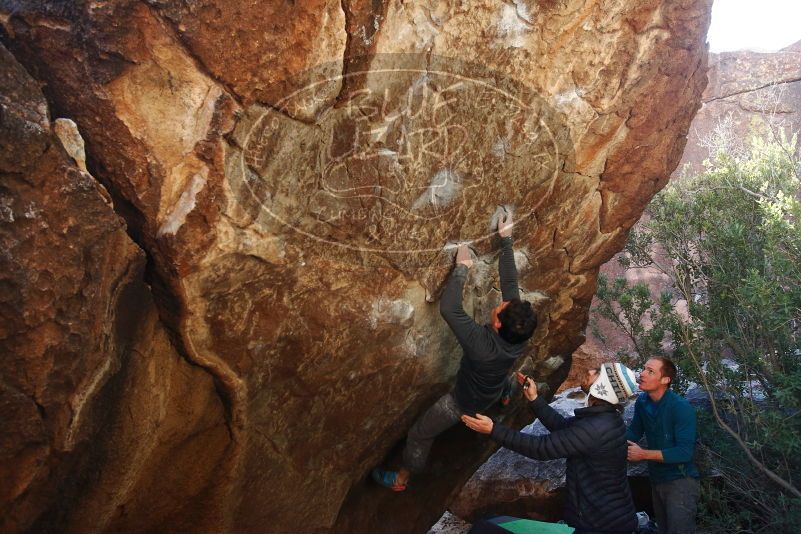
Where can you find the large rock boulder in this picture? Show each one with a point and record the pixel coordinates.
(293, 172)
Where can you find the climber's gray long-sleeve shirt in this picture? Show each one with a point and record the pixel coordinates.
(487, 357)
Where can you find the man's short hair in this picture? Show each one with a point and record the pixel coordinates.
(518, 321)
(668, 368)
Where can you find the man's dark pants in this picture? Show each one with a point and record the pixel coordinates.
(440, 417)
(675, 504)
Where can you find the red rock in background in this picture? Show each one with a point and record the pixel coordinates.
(294, 219)
(749, 93)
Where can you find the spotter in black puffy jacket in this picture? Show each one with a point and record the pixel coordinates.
(594, 443)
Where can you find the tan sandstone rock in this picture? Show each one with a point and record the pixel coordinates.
(295, 171)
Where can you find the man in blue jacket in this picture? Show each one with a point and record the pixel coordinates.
(489, 353)
(668, 422)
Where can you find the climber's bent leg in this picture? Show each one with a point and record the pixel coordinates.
(441, 416)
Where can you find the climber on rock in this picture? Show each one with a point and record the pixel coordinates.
(594, 442)
(489, 353)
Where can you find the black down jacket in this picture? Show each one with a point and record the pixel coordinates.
(594, 443)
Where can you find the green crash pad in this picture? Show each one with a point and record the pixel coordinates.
(529, 526)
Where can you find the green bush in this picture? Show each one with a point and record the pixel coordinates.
(729, 242)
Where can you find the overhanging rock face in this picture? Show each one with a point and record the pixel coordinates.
(294, 173)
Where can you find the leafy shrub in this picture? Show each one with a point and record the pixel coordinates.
(729, 243)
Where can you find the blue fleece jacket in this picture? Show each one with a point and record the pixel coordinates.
(669, 426)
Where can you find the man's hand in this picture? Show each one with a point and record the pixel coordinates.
(463, 256)
(479, 423)
(529, 386)
(505, 224)
(636, 453)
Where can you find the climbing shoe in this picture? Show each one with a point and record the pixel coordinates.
(388, 479)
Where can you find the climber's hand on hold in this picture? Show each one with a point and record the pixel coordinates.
(463, 256)
(505, 223)
(479, 423)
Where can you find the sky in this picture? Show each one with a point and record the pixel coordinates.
(758, 25)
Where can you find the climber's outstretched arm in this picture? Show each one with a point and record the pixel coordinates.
(506, 261)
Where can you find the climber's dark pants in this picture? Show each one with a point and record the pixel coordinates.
(440, 417)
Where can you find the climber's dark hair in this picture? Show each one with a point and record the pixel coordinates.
(518, 321)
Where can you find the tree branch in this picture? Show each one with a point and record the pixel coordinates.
(736, 436)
